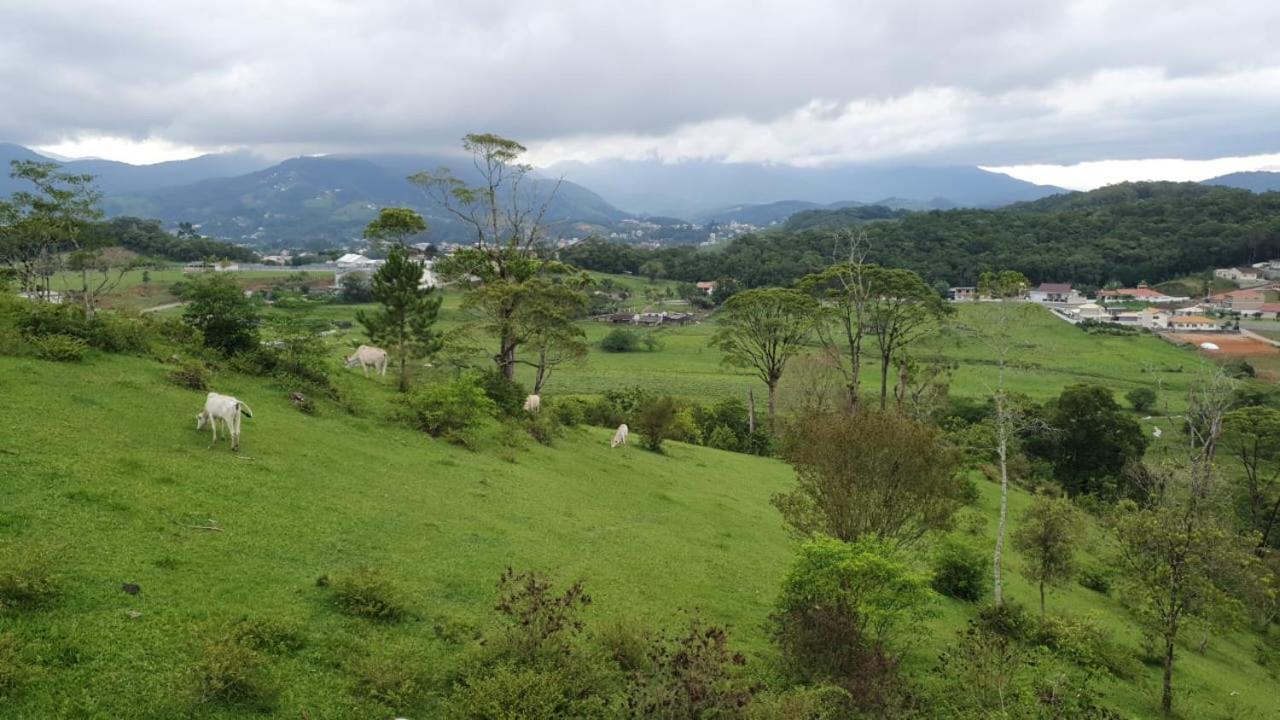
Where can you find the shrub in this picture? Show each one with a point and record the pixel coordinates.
(59, 348)
(542, 427)
(1239, 368)
(515, 692)
(112, 332)
(449, 407)
(191, 375)
(27, 577)
(570, 411)
(824, 702)
(230, 673)
(1009, 620)
(654, 421)
(370, 593)
(1095, 577)
(216, 307)
(395, 684)
(722, 438)
(1142, 399)
(685, 429)
(959, 571)
(1084, 643)
(265, 635)
(507, 395)
(690, 675)
(620, 340)
(538, 621)
(627, 644)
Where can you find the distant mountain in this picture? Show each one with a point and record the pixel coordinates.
(1120, 194)
(117, 178)
(775, 213)
(1258, 182)
(328, 200)
(701, 188)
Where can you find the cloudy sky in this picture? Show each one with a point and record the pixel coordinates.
(1076, 93)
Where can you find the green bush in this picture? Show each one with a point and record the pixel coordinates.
(1009, 620)
(959, 571)
(508, 396)
(192, 375)
(59, 348)
(510, 693)
(654, 421)
(446, 408)
(722, 438)
(230, 673)
(27, 577)
(217, 307)
(1084, 643)
(1096, 578)
(824, 702)
(396, 685)
(266, 635)
(620, 340)
(1142, 399)
(570, 411)
(542, 427)
(685, 429)
(370, 593)
(116, 333)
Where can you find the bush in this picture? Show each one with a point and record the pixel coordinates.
(396, 685)
(1096, 578)
(1239, 368)
(230, 673)
(112, 332)
(370, 593)
(514, 692)
(217, 308)
(192, 375)
(59, 348)
(1142, 399)
(542, 427)
(685, 429)
(446, 408)
(1082, 642)
(265, 635)
(690, 675)
(722, 438)
(1009, 620)
(570, 411)
(959, 571)
(620, 340)
(655, 420)
(27, 577)
(508, 396)
(824, 702)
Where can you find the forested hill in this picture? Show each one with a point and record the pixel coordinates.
(1125, 233)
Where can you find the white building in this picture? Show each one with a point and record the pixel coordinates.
(1056, 294)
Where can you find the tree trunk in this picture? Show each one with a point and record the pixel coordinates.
(1204, 640)
(751, 412)
(884, 381)
(1002, 448)
(1166, 692)
(773, 404)
(1042, 601)
(404, 378)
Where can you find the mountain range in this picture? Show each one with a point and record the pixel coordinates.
(326, 200)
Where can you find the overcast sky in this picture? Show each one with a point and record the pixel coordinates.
(1048, 91)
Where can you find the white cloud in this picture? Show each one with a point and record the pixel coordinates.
(136, 152)
(1090, 175)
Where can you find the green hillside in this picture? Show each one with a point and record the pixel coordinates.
(104, 470)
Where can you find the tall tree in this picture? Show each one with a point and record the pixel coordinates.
(406, 320)
(874, 474)
(995, 329)
(1093, 441)
(505, 214)
(395, 225)
(846, 289)
(1047, 539)
(762, 329)
(217, 307)
(1252, 436)
(901, 309)
(546, 323)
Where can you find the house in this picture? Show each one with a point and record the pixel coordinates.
(708, 286)
(429, 279)
(1191, 310)
(1131, 318)
(1056, 294)
(354, 261)
(1239, 300)
(1194, 323)
(650, 319)
(1239, 274)
(679, 318)
(1269, 311)
(1154, 319)
(962, 294)
(1142, 293)
(623, 318)
(1090, 311)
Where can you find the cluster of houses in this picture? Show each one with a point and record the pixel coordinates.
(649, 319)
(356, 263)
(1162, 311)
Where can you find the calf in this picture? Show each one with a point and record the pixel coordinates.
(228, 410)
(619, 437)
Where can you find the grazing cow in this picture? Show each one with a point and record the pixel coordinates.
(532, 404)
(367, 356)
(228, 410)
(620, 437)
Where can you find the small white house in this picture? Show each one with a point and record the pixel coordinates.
(1056, 294)
(1154, 319)
(1091, 311)
(1239, 274)
(1194, 323)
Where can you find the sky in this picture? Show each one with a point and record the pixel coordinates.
(1073, 93)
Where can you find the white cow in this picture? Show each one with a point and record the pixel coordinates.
(228, 410)
(532, 404)
(620, 437)
(367, 356)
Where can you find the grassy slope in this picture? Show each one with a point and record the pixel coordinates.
(103, 461)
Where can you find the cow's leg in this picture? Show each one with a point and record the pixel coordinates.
(235, 432)
(213, 425)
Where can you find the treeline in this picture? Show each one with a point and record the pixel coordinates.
(149, 238)
(1126, 233)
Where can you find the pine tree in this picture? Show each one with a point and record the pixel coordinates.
(405, 324)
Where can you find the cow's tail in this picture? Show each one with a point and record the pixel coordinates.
(244, 410)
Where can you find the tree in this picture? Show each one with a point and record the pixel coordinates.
(872, 474)
(846, 286)
(1252, 436)
(901, 309)
(356, 288)
(395, 225)
(654, 419)
(762, 329)
(653, 270)
(996, 330)
(38, 225)
(505, 215)
(1093, 440)
(217, 307)
(544, 321)
(1047, 539)
(842, 610)
(1142, 399)
(406, 321)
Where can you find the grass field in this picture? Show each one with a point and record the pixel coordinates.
(648, 534)
(134, 294)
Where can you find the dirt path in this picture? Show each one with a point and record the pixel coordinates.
(158, 308)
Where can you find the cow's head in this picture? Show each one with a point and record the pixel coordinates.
(201, 419)
(353, 360)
